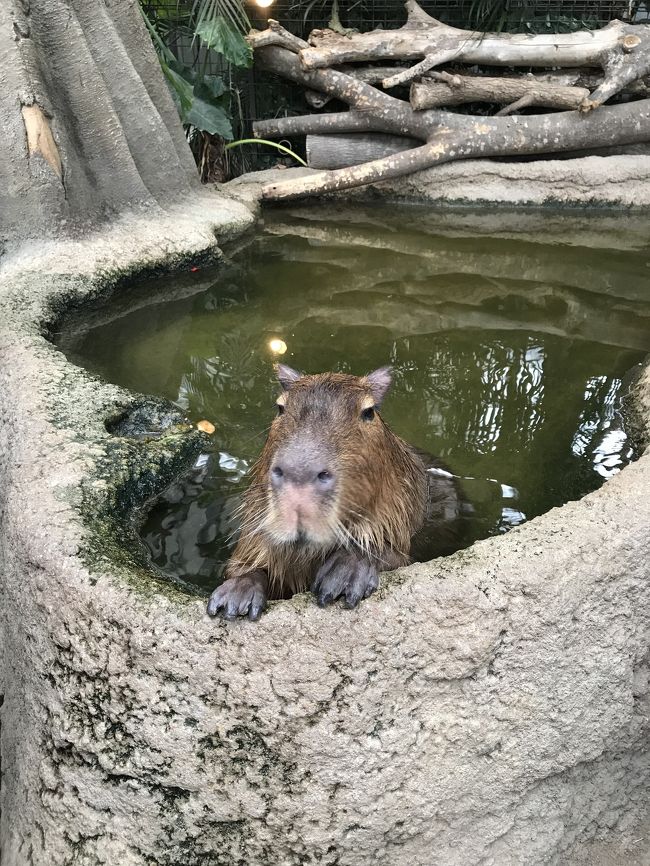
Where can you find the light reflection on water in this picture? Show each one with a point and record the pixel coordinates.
(509, 359)
(600, 437)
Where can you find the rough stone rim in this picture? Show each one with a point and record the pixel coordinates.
(162, 459)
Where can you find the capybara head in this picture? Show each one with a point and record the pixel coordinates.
(328, 456)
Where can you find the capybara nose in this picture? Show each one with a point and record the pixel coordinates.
(302, 473)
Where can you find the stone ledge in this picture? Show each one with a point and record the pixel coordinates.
(592, 181)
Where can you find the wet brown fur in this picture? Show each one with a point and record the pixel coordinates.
(382, 485)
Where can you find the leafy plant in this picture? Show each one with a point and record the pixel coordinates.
(203, 100)
(206, 12)
(219, 36)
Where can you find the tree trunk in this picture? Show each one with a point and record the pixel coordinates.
(71, 153)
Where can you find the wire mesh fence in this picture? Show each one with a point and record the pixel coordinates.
(259, 95)
(534, 15)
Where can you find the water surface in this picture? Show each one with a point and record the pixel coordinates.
(510, 341)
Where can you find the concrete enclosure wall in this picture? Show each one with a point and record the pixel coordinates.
(490, 708)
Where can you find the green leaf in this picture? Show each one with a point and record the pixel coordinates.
(182, 90)
(208, 115)
(233, 11)
(219, 35)
(214, 84)
(202, 103)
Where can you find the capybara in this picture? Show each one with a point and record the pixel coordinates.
(335, 498)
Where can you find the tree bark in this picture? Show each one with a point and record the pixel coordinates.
(71, 153)
(618, 124)
(339, 151)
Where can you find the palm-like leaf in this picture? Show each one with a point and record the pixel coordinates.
(207, 12)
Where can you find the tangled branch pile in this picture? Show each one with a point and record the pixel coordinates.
(383, 136)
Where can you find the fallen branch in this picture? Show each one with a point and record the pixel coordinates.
(458, 89)
(395, 115)
(367, 74)
(622, 67)
(423, 35)
(548, 133)
(621, 50)
(318, 124)
(523, 102)
(437, 58)
(275, 34)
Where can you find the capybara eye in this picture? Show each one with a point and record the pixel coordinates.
(324, 475)
(368, 414)
(280, 408)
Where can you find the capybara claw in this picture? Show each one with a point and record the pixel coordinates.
(239, 596)
(344, 575)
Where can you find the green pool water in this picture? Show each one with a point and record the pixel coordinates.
(511, 342)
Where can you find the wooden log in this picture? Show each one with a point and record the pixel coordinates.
(423, 35)
(368, 74)
(621, 50)
(373, 111)
(395, 115)
(459, 89)
(318, 124)
(627, 123)
(582, 80)
(589, 78)
(275, 34)
(339, 151)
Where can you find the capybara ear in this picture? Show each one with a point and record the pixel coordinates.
(379, 381)
(286, 375)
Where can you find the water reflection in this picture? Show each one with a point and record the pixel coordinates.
(600, 437)
(509, 360)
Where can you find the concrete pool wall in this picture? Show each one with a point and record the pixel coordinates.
(490, 708)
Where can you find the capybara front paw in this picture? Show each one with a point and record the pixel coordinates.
(344, 575)
(239, 596)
